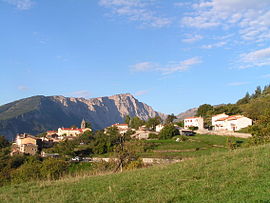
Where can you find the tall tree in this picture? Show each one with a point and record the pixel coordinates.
(127, 119)
(153, 122)
(257, 92)
(170, 118)
(204, 110)
(244, 100)
(136, 122)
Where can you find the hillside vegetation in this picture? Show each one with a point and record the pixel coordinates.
(255, 106)
(241, 175)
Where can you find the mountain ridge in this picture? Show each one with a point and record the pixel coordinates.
(40, 113)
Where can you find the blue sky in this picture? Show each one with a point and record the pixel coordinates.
(172, 55)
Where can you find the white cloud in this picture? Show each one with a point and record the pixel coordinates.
(81, 93)
(255, 58)
(250, 17)
(169, 68)
(214, 45)
(192, 38)
(144, 66)
(21, 4)
(141, 92)
(237, 83)
(22, 88)
(136, 10)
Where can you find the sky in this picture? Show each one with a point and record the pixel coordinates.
(170, 54)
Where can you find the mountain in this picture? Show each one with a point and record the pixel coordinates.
(188, 113)
(41, 113)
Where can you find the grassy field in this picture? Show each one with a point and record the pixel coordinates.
(241, 175)
(195, 146)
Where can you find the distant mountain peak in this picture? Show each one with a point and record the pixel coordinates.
(38, 114)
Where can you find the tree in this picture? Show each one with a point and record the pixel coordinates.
(180, 124)
(168, 132)
(88, 125)
(113, 131)
(153, 122)
(170, 118)
(244, 100)
(53, 168)
(3, 142)
(136, 122)
(205, 110)
(125, 154)
(127, 119)
(266, 89)
(261, 129)
(257, 92)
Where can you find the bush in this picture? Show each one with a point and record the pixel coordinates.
(134, 164)
(3, 142)
(153, 136)
(53, 168)
(104, 166)
(193, 128)
(181, 138)
(233, 144)
(168, 132)
(27, 172)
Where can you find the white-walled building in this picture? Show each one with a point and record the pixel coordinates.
(159, 127)
(215, 119)
(123, 128)
(69, 132)
(193, 122)
(230, 123)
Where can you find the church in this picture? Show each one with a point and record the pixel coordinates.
(70, 132)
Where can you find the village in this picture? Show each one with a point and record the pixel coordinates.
(222, 124)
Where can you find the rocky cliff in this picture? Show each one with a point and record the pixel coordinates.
(188, 113)
(40, 113)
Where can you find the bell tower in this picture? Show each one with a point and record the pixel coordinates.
(83, 124)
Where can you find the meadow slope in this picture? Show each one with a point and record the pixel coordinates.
(241, 175)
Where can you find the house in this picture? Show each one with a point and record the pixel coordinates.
(159, 127)
(73, 132)
(230, 123)
(193, 122)
(141, 134)
(26, 144)
(30, 149)
(143, 128)
(123, 128)
(216, 120)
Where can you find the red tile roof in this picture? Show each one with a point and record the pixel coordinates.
(72, 129)
(121, 124)
(192, 117)
(234, 117)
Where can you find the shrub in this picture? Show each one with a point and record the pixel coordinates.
(168, 132)
(53, 168)
(153, 136)
(181, 138)
(27, 172)
(134, 164)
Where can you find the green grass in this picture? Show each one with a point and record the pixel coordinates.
(242, 175)
(196, 146)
